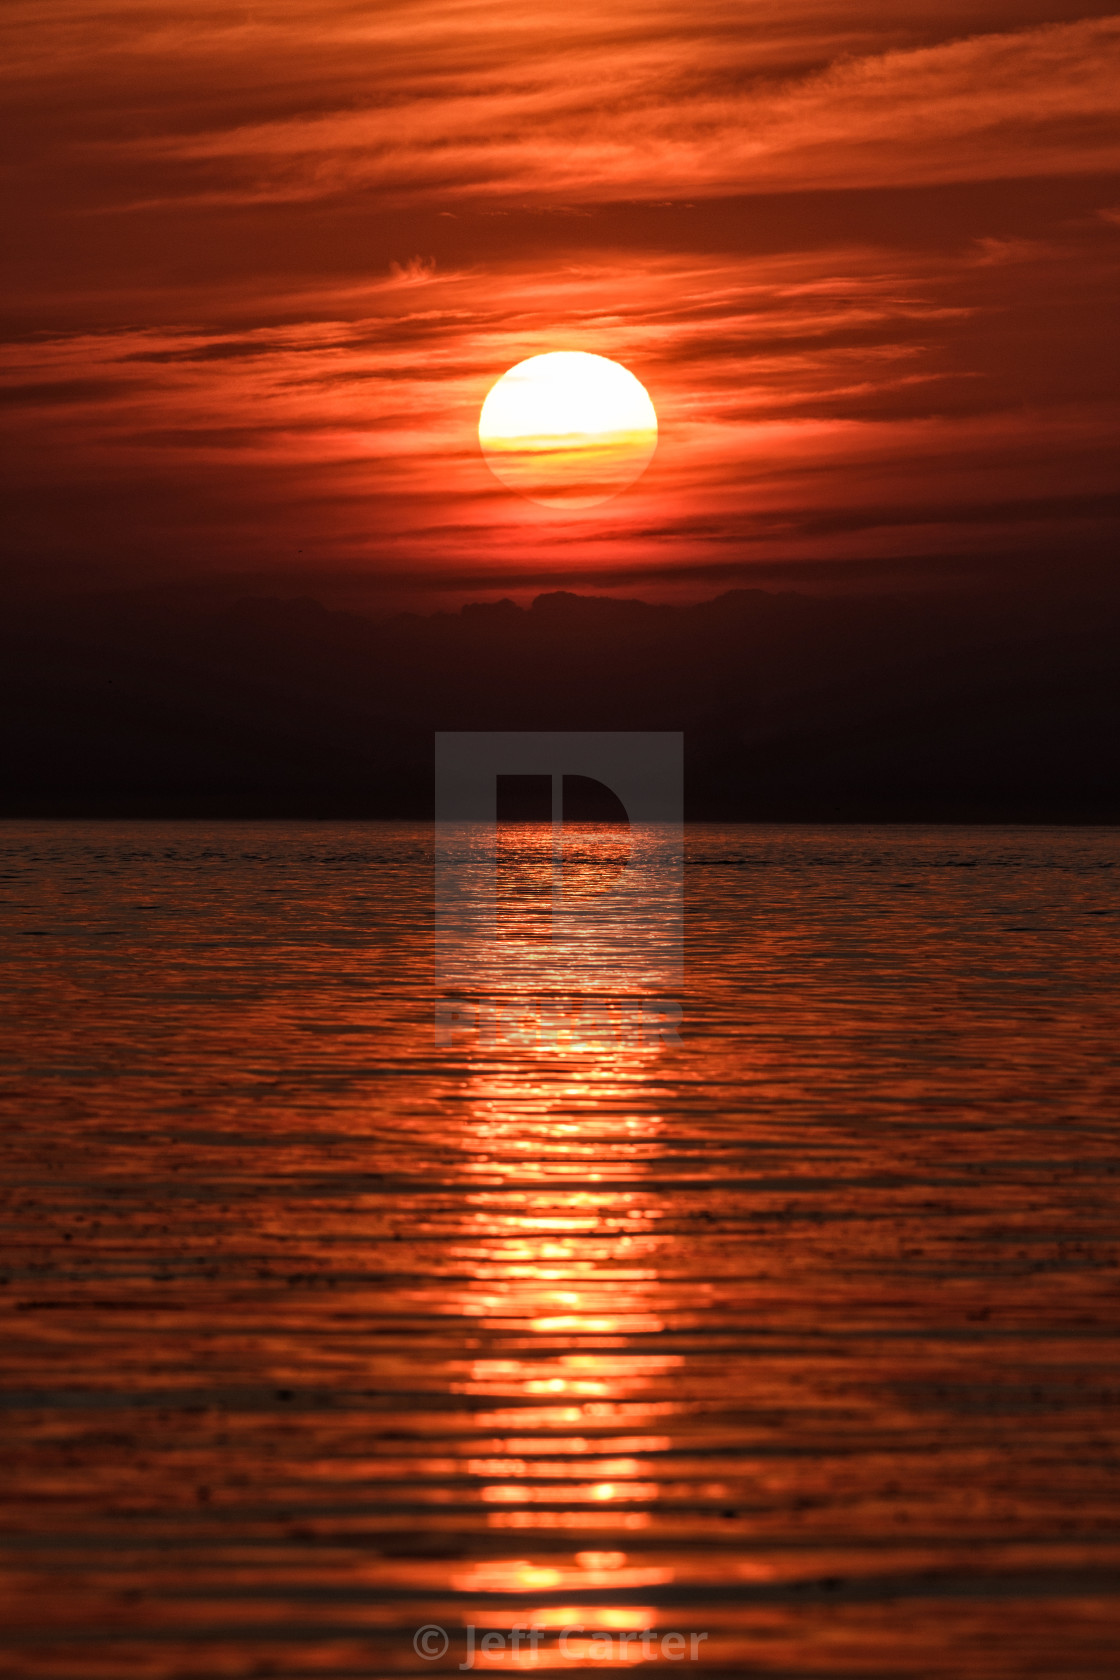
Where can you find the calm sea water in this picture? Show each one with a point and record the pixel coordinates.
(797, 1339)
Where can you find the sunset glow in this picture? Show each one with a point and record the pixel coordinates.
(560, 839)
(568, 429)
(864, 263)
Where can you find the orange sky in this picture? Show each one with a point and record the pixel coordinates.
(269, 259)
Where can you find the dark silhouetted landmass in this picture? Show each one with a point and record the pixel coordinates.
(958, 707)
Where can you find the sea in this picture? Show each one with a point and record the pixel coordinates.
(773, 1332)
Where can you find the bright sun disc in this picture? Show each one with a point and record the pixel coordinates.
(568, 429)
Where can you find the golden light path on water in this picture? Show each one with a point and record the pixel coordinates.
(798, 1336)
(568, 429)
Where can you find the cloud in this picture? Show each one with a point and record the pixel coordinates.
(686, 113)
(333, 228)
(797, 394)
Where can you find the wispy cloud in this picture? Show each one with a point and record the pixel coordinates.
(698, 115)
(274, 259)
(798, 400)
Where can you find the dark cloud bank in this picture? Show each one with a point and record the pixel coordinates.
(957, 705)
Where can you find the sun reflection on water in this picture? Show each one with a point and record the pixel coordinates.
(318, 1329)
(551, 1126)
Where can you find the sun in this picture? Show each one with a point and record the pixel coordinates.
(568, 429)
